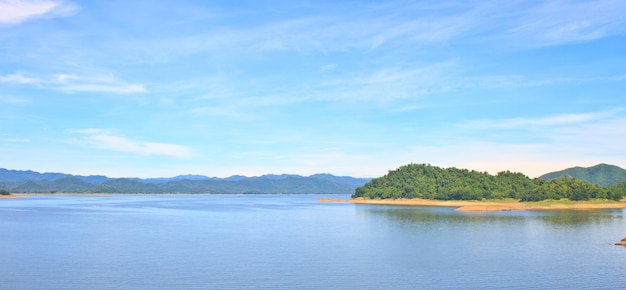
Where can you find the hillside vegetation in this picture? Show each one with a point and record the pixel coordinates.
(431, 182)
(601, 174)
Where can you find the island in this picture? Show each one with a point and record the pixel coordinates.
(427, 185)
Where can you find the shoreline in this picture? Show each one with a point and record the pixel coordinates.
(493, 205)
(19, 195)
(460, 205)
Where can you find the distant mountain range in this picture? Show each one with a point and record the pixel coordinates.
(20, 181)
(601, 174)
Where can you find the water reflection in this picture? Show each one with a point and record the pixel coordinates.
(581, 217)
(425, 215)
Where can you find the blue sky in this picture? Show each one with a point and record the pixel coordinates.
(162, 88)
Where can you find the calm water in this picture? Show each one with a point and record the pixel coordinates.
(223, 242)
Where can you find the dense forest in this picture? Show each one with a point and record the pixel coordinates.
(431, 182)
(601, 174)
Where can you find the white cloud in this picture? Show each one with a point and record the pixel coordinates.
(17, 78)
(114, 88)
(63, 78)
(98, 84)
(106, 139)
(557, 120)
(17, 11)
(73, 83)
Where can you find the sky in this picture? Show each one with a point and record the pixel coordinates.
(351, 88)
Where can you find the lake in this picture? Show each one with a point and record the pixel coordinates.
(294, 242)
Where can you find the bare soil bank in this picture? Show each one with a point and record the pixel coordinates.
(493, 205)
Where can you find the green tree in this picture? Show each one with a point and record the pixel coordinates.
(431, 182)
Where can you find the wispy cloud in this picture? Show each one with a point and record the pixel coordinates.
(340, 27)
(17, 11)
(14, 140)
(384, 85)
(98, 84)
(12, 100)
(619, 78)
(232, 112)
(108, 140)
(561, 22)
(72, 83)
(17, 78)
(395, 87)
(556, 120)
(324, 28)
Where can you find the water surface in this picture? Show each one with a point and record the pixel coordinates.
(291, 241)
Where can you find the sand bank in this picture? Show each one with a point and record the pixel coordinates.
(324, 199)
(494, 205)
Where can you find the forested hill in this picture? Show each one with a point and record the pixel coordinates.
(601, 174)
(431, 182)
(29, 181)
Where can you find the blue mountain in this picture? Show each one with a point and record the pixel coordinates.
(30, 181)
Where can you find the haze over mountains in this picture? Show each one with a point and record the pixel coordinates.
(31, 181)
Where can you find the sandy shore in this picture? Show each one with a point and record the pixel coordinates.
(60, 194)
(466, 205)
(10, 196)
(324, 199)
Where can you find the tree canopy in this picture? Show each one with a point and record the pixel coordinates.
(431, 182)
(601, 174)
